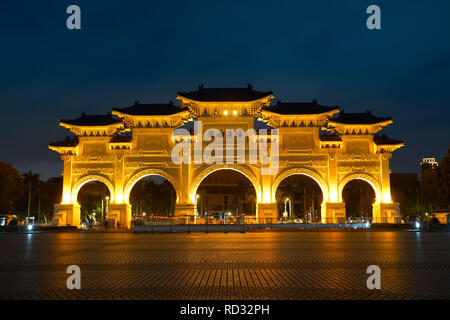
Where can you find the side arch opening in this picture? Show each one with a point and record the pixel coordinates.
(359, 195)
(93, 196)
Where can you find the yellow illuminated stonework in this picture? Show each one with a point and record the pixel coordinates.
(327, 145)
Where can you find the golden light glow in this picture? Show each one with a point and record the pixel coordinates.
(66, 198)
(234, 112)
(387, 197)
(333, 196)
(119, 197)
(266, 196)
(225, 113)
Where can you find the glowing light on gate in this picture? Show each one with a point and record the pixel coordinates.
(234, 112)
(225, 113)
(386, 197)
(66, 198)
(119, 197)
(333, 196)
(266, 197)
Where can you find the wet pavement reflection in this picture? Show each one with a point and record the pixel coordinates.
(253, 265)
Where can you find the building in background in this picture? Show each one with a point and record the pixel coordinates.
(428, 163)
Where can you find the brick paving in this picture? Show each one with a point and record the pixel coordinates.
(263, 265)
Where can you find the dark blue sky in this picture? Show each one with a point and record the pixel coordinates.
(147, 51)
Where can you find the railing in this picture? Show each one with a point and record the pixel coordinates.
(228, 224)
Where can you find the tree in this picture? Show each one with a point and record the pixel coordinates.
(51, 193)
(444, 184)
(11, 186)
(31, 180)
(435, 186)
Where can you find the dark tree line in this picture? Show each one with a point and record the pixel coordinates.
(435, 187)
(26, 194)
(358, 197)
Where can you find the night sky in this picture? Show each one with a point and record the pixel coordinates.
(147, 51)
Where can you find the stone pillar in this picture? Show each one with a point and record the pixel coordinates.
(67, 180)
(267, 212)
(333, 212)
(385, 178)
(333, 195)
(386, 212)
(185, 212)
(118, 179)
(121, 212)
(66, 214)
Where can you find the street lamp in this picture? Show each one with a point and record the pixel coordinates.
(197, 196)
(285, 213)
(106, 209)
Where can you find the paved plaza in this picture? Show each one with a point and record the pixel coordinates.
(253, 265)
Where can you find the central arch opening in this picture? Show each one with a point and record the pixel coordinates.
(299, 198)
(359, 197)
(226, 195)
(152, 196)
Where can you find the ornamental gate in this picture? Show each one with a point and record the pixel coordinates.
(329, 146)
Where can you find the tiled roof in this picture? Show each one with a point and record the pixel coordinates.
(299, 108)
(383, 139)
(225, 94)
(67, 142)
(150, 109)
(93, 120)
(358, 118)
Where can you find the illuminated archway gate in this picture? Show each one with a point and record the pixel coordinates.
(321, 142)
